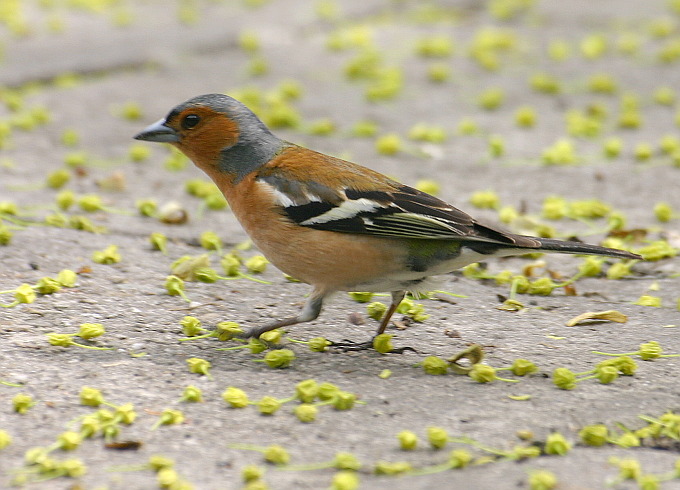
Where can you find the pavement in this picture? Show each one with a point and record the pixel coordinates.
(83, 67)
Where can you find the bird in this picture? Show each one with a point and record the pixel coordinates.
(331, 223)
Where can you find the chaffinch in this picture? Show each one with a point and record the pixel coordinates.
(330, 223)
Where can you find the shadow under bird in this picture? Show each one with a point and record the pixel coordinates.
(330, 223)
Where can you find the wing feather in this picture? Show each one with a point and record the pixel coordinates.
(404, 212)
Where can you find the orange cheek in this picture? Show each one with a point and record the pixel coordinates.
(204, 145)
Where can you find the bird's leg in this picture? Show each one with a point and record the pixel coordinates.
(309, 312)
(348, 345)
(397, 297)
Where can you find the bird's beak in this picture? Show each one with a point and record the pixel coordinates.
(159, 133)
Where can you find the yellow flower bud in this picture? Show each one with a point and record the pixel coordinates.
(482, 373)
(437, 437)
(276, 455)
(564, 379)
(251, 473)
(594, 435)
(542, 480)
(555, 443)
(90, 330)
(307, 390)
(68, 441)
(345, 480)
(109, 255)
(47, 285)
(256, 264)
(24, 294)
(67, 278)
(408, 440)
(279, 358)
(235, 397)
(376, 310)
(383, 343)
(459, 458)
(522, 367)
(5, 439)
(306, 412)
(268, 405)
(346, 461)
(435, 365)
(91, 397)
(22, 402)
(344, 400)
(199, 366)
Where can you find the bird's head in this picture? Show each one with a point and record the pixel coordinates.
(217, 133)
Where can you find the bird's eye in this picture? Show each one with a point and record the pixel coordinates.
(190, 121)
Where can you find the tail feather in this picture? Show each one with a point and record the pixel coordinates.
(561, 246)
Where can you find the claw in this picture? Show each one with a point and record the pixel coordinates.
(351, 346)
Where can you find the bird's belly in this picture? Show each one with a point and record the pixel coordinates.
(422, 281)
(333, 261)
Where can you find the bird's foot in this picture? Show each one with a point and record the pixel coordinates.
(350, 346)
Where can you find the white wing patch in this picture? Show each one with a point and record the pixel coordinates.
(348, 209)
(286, 200)
(312, 197)
(282, 198)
